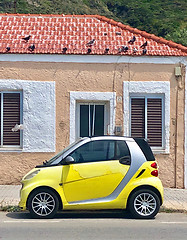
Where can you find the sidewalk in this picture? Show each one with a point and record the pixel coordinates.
(175, 199)
(9, 195)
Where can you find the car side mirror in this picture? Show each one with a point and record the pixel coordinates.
(126, 160)
(68, 160)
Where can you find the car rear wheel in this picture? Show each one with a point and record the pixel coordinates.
(43, 203)
(144, 203)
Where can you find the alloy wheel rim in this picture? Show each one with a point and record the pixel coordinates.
(43, 204)
(145, 204)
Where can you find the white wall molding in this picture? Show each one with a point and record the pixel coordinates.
(91, 58)
(91, 96)
(39, 133)
(152, 87)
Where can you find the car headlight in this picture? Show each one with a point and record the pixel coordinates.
(31, 175)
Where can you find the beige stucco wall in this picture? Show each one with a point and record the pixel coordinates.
(96, 78)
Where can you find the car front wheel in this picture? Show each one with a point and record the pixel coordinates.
(43, 203)
(144, 203)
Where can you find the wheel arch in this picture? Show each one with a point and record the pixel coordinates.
(50, 188)
(155, 190)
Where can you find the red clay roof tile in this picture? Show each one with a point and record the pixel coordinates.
(53, 33)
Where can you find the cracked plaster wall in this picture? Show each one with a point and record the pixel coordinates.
(93, 77)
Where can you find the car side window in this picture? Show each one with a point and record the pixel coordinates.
(95, 151)
(122, 149)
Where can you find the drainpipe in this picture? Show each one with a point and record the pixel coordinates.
(176, 131)
(179, 74)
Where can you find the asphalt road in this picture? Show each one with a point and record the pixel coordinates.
(93, 225)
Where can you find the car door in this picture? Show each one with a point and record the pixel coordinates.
(96, 171)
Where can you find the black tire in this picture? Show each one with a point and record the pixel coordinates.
(43, 203)
(144, 204)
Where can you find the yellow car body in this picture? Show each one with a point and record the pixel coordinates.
(91, 185)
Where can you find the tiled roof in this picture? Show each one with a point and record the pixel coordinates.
(71, 34)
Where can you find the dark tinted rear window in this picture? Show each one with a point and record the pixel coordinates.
(145, 149)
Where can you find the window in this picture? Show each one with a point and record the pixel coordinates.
(145, 149)
(102, 150)
(10, 115)
(104, 102)
(91, 120)
(147, 119)
(144, 90)
(121, 149)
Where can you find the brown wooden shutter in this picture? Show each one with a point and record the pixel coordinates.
(154, 121)
(11, 117)
(138, 117)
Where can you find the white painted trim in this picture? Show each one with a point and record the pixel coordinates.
(185, 129)
(39, 133)
(145, 88)
(91, 58)
(109, 97)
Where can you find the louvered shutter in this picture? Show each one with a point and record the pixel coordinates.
(154, 121)
(11, 117)
(138, 117)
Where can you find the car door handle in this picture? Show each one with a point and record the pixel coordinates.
(125, 160)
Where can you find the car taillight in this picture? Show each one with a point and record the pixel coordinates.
(154, 165)
(154, 173)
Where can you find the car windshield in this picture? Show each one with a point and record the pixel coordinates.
(58, 157)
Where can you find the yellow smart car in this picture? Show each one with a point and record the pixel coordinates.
(106, 172)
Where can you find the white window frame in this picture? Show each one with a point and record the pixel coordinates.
(2, 146)
(108, 98)
(151, 88)
(146, 96)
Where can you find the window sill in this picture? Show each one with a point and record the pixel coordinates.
(160, 151)
(11, 149)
